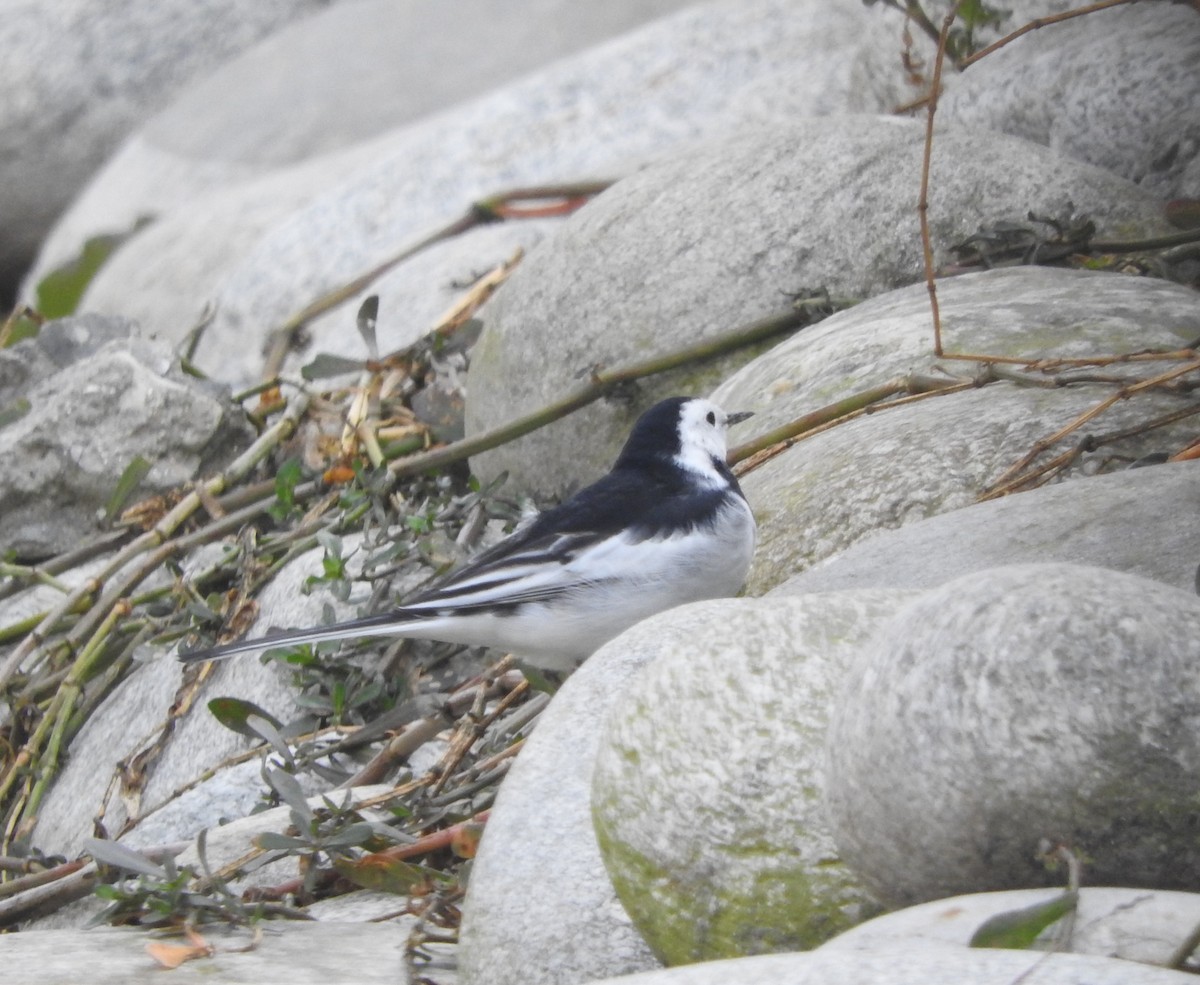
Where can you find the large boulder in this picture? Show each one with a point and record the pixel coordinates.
(709, 779)
(77, 430)
(80, 75)
(262, 249)
(836, 487)
(1054, 86)
(1015, 706)
(822, 203)
(345, 75)
(1125, 520)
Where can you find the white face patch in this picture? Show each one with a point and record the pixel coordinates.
(702, 439)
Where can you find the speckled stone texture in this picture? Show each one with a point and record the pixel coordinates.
(1018, 704)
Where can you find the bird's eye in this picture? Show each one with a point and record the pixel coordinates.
(711, 418)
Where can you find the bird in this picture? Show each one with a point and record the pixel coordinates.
(667, 525)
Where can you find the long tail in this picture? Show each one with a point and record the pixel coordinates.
(382, 624)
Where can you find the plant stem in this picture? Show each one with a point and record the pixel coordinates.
(601, 383)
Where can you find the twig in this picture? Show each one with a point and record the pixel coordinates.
(1037, 24)
(159, 533)
(601, 383)
(33, 879)
(71, 559)
(1044, 471)
(766, 446)
(52, 728)
(931, 109)
(49, 897)
(1142, 245)
(399, 749)
(487, 210)
(1185, 949)
(436, 841)
(1007, 482)
(916, 13)
(926, 160)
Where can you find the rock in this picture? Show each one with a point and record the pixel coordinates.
(1013, 705)
(86, 423)
(642, 271)
(1127, 521)
(261, 255)
(311, 953)
(908, 965)
(418, 293)
(540, 835)
(57, 344)
(836, 487)
(707, 793)
(1132, 924)
(346, 74)
(1054, 86)
(81, 75)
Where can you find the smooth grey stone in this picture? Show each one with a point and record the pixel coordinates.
(263, 248)
(888, 469)
(1143, 925)
(540, 834)
(346, 74)
(80, 74)
(298, 952)
(1133, 521)
(909, 964)
(708, 791)
(1053, 86)
(1013, 705)
(644, 271)
(83, 427)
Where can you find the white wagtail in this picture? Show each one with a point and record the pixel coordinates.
(668, 525)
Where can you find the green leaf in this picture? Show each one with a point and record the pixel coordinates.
(387, 875)
(331, 542)
(285, 785)
(402, 446)
(59, 291)
(325, 365)
(350, 836)
(130, 479)
(14, 411)
(271, 841)
(300, 655)
(235, 714)
(1018, 929)
(418, 523)
(269, 729)
(115, 854)
(20, 327)
(537, 680)
(286, 480)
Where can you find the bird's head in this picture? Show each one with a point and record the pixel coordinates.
(689, 430)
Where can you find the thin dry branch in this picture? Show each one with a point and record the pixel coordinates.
(1037, 24)
(935, 87)
(757, 452)
(495, 208)
(1013, 478)
(601, 383)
